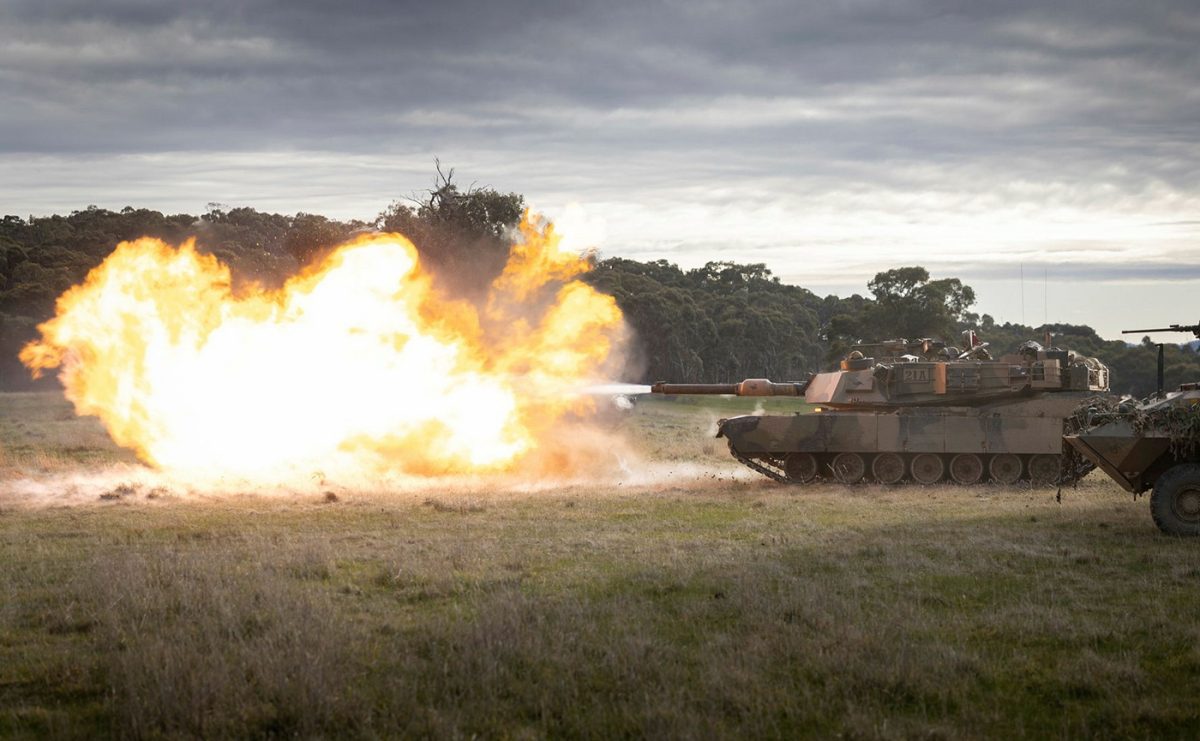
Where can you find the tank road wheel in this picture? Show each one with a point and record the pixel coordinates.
(927, 468)
(1005, 468)
(1044, 469)
(966, 468)
(848, 468)
(1175, 502)
(800, 468)
(887, 468)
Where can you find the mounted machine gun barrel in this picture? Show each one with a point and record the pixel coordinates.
(1193, 328)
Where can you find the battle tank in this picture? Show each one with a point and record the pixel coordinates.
(1151, 444)
(918, 413)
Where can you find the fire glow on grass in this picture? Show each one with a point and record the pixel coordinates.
(356, 365)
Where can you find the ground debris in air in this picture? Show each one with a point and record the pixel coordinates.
(119, 492)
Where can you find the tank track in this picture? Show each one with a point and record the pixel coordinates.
(773, 466)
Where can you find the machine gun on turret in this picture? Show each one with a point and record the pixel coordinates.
(1193, 328)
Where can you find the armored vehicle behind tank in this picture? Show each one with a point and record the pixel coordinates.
(1152, 444)
(922, 412)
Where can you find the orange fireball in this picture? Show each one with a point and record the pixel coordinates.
(356, 365)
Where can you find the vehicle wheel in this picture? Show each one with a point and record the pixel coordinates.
(1175, 502)
(848, 468)
(1005, 468)
(1044, 469)
(966, 468)
(927, 468)
(887, 468)
(801, 468)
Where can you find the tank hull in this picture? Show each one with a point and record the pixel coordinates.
(966, 441)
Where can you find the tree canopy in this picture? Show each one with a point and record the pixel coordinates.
(462, 235)
(907, 304)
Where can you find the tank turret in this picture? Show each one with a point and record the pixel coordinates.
(898, 381)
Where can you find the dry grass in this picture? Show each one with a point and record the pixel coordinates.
(717, 607)
(40, 434)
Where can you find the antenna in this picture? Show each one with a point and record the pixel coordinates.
(1045, 295)
(1022, 293)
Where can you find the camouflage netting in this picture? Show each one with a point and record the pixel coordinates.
(1091, 412)
(1181, 423)
(1094, 411)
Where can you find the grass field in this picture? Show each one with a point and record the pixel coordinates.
(695, 602)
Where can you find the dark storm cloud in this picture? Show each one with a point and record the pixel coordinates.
(1077, 103)
(830, 139)
(857, 80)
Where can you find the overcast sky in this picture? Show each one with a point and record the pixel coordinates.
(830, 140)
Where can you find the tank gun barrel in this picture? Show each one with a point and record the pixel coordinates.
(691, 389)
(749, 387)
(1193, 328)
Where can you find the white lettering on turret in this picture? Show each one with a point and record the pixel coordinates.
(916, 375)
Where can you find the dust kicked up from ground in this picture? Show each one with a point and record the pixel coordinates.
(136, 482)
(586, 460)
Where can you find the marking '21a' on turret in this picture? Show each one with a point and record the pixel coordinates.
(917, 412)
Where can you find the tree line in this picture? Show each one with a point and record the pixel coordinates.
(721, 322)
